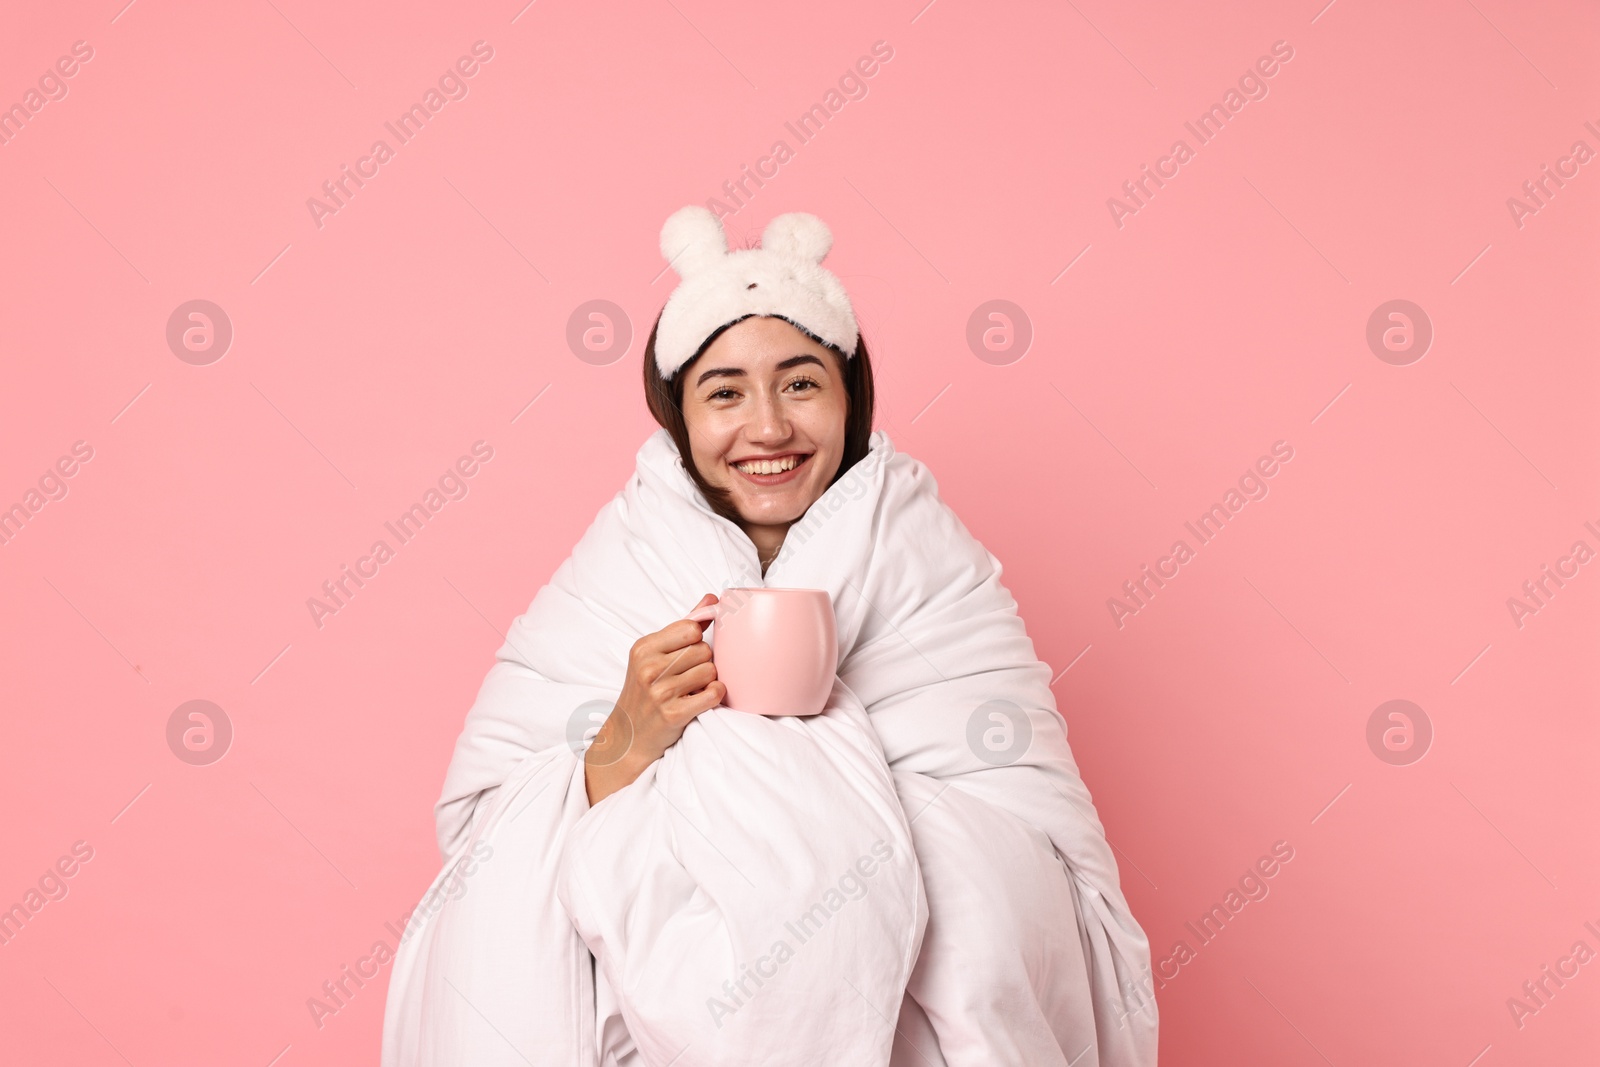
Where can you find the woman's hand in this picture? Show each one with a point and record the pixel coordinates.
(670, 680)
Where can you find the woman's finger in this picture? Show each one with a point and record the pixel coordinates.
(681, 634)
(668, 640)
(675, 663)
(692, 680)
(709, 697)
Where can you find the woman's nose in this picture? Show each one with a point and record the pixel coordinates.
(771, 421)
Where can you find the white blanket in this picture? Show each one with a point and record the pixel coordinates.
(917, 875)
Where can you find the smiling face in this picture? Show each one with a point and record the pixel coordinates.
(765, 407)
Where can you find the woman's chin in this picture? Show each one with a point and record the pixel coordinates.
(772, 509)
(770, 516)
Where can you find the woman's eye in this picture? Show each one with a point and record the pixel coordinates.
(805, 381)
(721, 393)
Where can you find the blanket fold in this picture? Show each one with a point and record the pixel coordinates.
(778, 890)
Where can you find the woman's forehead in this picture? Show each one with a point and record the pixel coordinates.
(761, 343)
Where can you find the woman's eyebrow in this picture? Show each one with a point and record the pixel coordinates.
(738, 372)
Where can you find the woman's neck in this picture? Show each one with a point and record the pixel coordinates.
(768, 541)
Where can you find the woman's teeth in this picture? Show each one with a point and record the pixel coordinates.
(769, 466)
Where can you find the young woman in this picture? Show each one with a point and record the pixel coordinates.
(916, 875)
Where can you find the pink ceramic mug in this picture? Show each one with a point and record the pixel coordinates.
(775, 649)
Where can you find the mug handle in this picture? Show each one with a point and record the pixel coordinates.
(709, 613)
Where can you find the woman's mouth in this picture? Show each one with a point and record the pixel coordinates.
(774, 470)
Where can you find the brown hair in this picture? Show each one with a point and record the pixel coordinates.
(665, 399)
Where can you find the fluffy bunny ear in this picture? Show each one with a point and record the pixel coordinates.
(692, 240)
(798, 234)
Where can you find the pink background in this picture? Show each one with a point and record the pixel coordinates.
(1227, 314)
